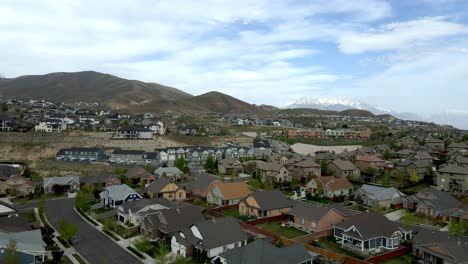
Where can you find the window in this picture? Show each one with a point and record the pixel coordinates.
(180, 195)
(302, 220)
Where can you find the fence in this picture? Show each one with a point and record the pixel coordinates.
(258, 230)
(225, 208)
(267, 220)
(389, 255)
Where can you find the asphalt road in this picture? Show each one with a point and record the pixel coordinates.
(94, 246)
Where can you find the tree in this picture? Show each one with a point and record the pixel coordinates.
(387, 155)
(11, 255)
(4, 107)
(67, 230)
(294, 182)
(210, 164)
(319, 190)
(386, 178)
(41, 205)
(414, 178)
(81, 201)
(181, 164)
(324, 167)
(465, 137)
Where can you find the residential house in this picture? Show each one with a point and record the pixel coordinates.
(272, 172)
(230, 166)
(158, 128)
(407, 142)
(453, 178)
(8, 170)
(17, 185)
(140, 175)
(457, 146)
(102, 178)
(423, 155)
(364, 162)
(51, 125)
(13, 223)
(432, 246)
(116, 195)
(201, 185)
(432, 202)
(367, 232)
(264, 204)
(190, 130)
(135, 211)
(165, 188)
(304, 168)
(7, 123)
(211, 236)
(29, 246)
(261, 148)
(459, 161)
(313, 217)
(120, 156)
(61, 184)
(330, 186)
(223, 193)
(260, 251)
(162, 224)
(81, 154)
(344, 169)
(421, 168)
(434, 143)
(172, 173)
(133, 132)
(371, 195)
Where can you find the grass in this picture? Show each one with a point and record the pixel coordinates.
(29, 215)
(136, 252)
(235, 213)
(321, 200)
(416, 188)
(80, 259)
(86, 216)
(399, 260)
(65, 260)
(276, 228)
(64, 243)
(413, 218)
(330, 244)
(111, 235)
(36, 197)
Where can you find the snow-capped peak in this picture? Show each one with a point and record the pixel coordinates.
(337, 104)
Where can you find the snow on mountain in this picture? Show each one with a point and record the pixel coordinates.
(337, 104)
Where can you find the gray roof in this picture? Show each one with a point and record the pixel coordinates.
(269, 200)
(344, 165)
(157, 185)
(137, 205)
(14, 224)
(202, 181)
(436, 199)
(380, 193)
(174, 219)
(417, 163)
(452, 168)
(117, 192)
(64, 180)
(312, 211)
(168, 170)
(216, 232)
(99, 177)
(455, 246)
(26, 241)
(370, 225)
(260, 251)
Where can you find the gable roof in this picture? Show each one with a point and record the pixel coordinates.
(137, 205)
(455, 169)
(268, 166)
(436, 199)
(64, 180)
(369, 158)
(332, 183)
(118, 192)
(233, 190)
(14, 224)
(312, 211)
(174, 219)
(380, 193)
(453, 247)
(158, 185)
(25, 241)
(202, 181)
(138, 173)
(369, 225)
(344, 165)
(307, 163)
(269, 200)
(168, 170)
(260, 251)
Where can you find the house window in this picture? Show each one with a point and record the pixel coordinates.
(302, 221)
(180, 195)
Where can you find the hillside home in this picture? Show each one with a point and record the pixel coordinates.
(432, 202)
(121, 156)
(116, 195)
(133, 132)
(50, 126)
(165, 188)
(453, 178)
(211, 236)
(364, 162)
(264, 204)
(140, 175)
(230, 166)
(7, 123)
(434, 143)
(172, 173)
(81, 154)
(223, 194)
(158, 128)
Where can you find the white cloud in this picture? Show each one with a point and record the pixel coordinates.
(400, 35)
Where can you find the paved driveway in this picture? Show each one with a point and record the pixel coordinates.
(90, 243)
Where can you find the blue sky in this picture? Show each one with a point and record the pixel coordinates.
(410, 56)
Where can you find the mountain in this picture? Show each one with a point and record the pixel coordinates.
(312, 111)
(337, 104)
(119, 94)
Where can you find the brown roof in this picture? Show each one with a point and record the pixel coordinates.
(233, 190)
(307, 163)
(334, 184)
(261, 165)
(369, 158)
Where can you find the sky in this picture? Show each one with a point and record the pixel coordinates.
(409, 56)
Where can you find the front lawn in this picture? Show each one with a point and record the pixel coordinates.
(287, 232)
(405, 259)
(413, 218)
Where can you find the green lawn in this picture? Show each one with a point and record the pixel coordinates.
(235, 213)
(276, 228)
(413, 218)
(399, 260)
(29, 215)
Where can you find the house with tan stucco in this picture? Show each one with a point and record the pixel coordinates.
(165, 188)
(265, 204)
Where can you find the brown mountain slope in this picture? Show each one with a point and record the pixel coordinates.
(88, 86)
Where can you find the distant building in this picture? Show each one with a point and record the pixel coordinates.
(51, 125)
(81, 154)
(133, 132)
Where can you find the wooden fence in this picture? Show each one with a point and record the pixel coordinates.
(309, 238)
(389, 255)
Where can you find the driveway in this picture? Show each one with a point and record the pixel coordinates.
(94, 246)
